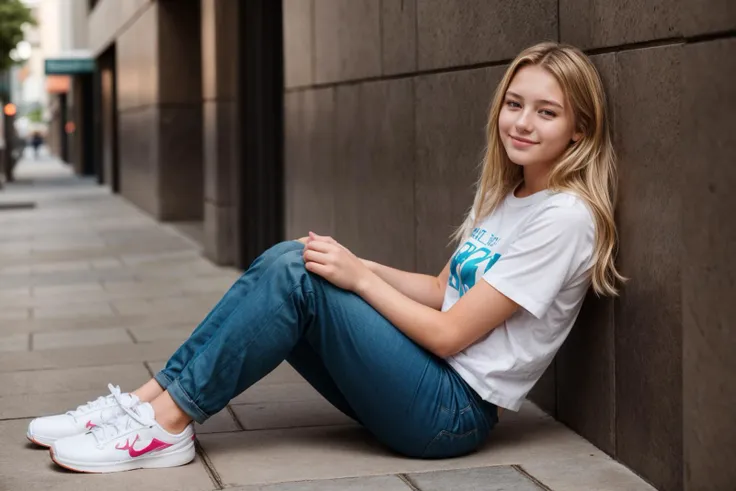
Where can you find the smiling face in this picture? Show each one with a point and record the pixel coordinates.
(536, 123)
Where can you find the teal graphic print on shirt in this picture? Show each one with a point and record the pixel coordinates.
(470, 257)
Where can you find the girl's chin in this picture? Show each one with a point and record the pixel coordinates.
(520, 158)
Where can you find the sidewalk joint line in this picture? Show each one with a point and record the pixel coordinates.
(533, 479)
(131, 336)
(407, 480)
(232, 414)
(208, 465)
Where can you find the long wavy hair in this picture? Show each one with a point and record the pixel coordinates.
(587, 168)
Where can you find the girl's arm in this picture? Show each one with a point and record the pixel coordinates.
(423, 288)
(480, 310)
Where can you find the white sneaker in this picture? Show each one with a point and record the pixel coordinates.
(132, 441)
(46, 430)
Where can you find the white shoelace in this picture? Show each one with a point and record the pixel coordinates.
(110, 429)
(97, 403)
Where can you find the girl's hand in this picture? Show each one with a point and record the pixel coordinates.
(334, 262)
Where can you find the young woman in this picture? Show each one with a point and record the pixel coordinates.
(423, 362)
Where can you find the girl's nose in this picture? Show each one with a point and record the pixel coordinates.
(523, 123)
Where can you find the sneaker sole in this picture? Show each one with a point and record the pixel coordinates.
(46, 443)
(178, 457)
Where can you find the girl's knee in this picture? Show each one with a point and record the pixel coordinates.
(282, 248)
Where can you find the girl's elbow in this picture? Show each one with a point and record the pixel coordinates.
(447, 346)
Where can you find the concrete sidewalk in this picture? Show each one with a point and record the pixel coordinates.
(93, 291)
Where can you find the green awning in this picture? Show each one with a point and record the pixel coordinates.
(69, 66)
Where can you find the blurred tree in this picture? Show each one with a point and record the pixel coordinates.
(35, 115)
(13, 14)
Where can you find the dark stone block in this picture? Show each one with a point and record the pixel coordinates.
(461, 32)
(451, 117)
(219, 49)
(220, 151)
(708, 16)
(399, 36)
(543, 394)
(648, 315)
(181, 180)
(138, 62)
(138, 145)
(709, 265)
(585, 375)
(298, 35)
(309, 139)
(374, 175)
(219, 233)
(598, 23)
(586, 363)
(179, 51)
(347, 40)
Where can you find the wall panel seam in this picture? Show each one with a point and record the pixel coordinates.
(590, 52)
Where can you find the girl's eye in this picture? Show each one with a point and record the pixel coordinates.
(548, 113)
(513, 104)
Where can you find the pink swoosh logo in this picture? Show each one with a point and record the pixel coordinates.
(90, 425)
(154, 445)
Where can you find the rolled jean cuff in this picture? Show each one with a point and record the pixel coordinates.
(185, 403)
(162, 379)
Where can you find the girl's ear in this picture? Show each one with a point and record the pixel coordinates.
(577, 136)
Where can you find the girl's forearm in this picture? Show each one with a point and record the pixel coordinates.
(421, 288)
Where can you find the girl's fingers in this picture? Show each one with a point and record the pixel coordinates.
(325, 238)
(316, 268)
(315, 256)
(320, 246)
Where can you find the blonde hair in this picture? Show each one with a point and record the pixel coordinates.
(587, 168)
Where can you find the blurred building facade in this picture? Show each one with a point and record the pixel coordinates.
(364, 119)
(64, 97)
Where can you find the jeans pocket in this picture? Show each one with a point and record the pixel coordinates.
(448, 444)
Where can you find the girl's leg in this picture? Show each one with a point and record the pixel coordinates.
(308, 363)
(411, 400)
(199, 337)
(303, 358)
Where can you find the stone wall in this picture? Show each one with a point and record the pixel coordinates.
(159, 101)
(385, 107)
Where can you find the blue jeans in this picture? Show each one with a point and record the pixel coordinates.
(409, 399)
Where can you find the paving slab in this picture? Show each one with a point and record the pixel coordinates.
(26, 467)
(221, 422)
(289, 415)
(39, 404)
(128, 376)
(14, 313)
(69, 324)
(80, 289)
(267, 393)
(16, 342)
(98, 309)
(384, 483)
(284, 373)
(85, 357)
(494, 478)
(178, 332)
(535, 442)
(82, 337)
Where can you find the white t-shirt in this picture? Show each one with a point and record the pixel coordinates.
(537, 251)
